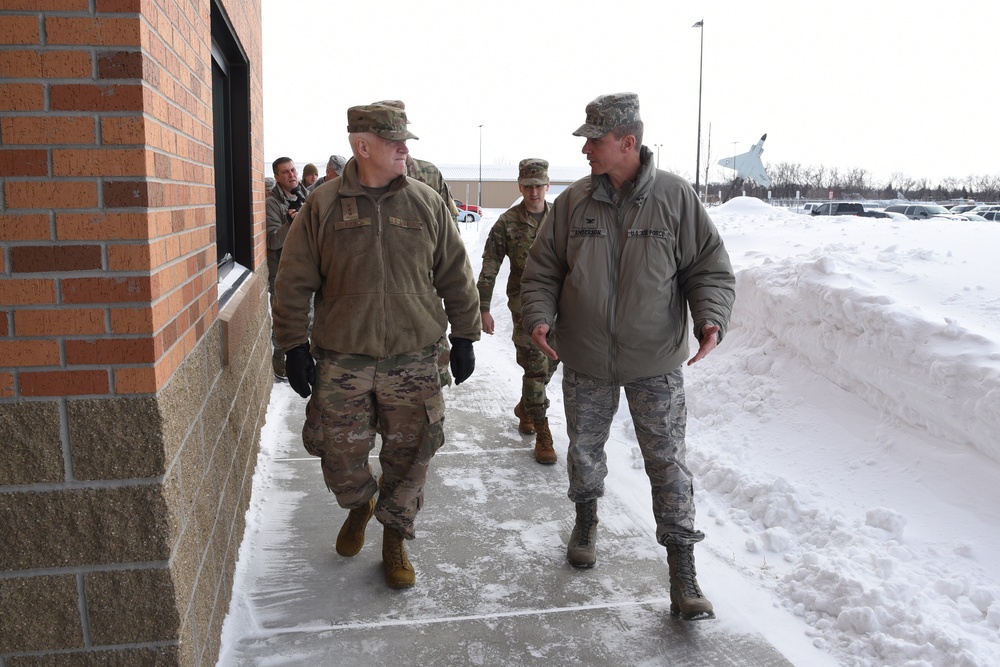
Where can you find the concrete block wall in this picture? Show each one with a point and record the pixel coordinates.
(130, 403)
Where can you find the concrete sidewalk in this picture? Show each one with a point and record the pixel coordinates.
(493, 586)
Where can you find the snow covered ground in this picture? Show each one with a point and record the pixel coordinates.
(845, 436)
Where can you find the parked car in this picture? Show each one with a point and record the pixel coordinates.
(961, 208)
(991, 215)
(808, 207)
(846, 208)
(974, 217)
(923, 211)
(468, 216)
(468, 207)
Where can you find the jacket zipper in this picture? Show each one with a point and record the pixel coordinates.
(615, 235)
(385, 280)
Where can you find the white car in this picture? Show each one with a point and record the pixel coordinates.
(468, 216)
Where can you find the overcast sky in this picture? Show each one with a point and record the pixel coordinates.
(884, 85)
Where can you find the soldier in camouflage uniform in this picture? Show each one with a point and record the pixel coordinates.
(511, 237)
(379, 252)
(622, 257)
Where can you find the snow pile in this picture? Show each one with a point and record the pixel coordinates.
(834, 433)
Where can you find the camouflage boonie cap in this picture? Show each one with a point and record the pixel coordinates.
(386, 122)
(607, 112)
(533, 171)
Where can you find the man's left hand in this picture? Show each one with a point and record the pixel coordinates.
(463, 359)
(709, 339)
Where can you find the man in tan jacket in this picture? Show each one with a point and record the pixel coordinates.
(380, 252)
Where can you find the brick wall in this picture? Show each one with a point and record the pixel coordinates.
(130, 411)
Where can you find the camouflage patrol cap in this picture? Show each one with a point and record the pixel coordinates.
(533, 171)
(385, 121)
(336, 163)
(395, 104)
(607, 112)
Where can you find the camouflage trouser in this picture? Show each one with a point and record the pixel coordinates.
(538, 370)
(400, 394)
(659, 415)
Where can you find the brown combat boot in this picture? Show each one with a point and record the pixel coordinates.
(525, 426)
(544, 452)
(398, 571)
(582, 549)
(686, 598)
(352, 533)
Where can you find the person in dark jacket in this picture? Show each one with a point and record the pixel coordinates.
(613, 271)
(282, 204)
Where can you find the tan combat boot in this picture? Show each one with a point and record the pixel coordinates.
(686, 598)
(544, 452)
(582, 549)
(525, 426)
(398, 571)
(352, 533)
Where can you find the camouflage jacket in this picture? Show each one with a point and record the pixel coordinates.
(428, 173)
(511, 237)
(617, 281)
(379, 268)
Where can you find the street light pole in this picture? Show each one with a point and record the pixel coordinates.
(479, 195)
(701, 58)
(657, 155)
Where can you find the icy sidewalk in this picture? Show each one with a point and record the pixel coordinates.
(493, 586)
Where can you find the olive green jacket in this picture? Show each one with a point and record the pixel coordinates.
(616, 282)
(379, 268)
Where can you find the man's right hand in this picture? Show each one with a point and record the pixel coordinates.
(301, 370)
(488, 323)
(538, 338)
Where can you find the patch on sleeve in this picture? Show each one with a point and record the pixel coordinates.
(642, 233)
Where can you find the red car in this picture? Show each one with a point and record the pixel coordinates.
(468, 207)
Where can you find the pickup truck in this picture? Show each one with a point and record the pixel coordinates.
(846, 208)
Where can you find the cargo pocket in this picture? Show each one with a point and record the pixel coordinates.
(434, 436)
(312, 430)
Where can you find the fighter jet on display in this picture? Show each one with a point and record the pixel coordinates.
(748, 165)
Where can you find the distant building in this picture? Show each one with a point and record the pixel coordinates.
(500, 182)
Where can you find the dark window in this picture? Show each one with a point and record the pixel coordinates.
(231, 130)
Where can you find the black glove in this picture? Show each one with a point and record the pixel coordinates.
(463, 359)
(301, 370)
